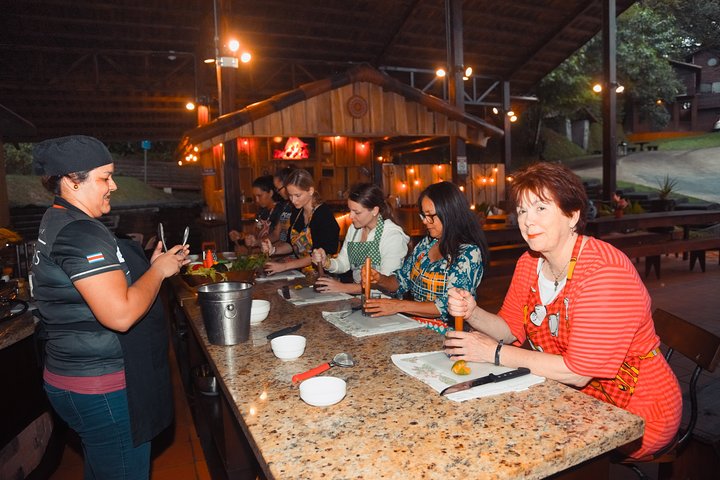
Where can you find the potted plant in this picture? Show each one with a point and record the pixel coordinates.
(665, 187)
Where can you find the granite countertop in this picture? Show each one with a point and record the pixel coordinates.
(19, 328)
(390, 425)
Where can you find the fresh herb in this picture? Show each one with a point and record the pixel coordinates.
(247, 262)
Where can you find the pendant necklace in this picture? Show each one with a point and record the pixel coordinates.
(557, 277)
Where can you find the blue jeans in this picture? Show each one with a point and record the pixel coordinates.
(103, 423)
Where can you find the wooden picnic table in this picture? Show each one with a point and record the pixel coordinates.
(642, 221)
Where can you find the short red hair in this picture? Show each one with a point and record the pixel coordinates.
(555, 182)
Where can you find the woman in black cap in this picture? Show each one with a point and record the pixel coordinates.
(102, 367)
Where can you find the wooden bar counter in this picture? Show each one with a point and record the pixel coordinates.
(390, 425)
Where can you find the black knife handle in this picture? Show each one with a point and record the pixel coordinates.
(519, 372)
(284, 331)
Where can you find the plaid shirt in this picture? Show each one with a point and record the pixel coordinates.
(429, 281)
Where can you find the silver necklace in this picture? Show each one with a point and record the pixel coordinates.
(557, 276)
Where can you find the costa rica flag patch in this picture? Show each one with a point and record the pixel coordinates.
(95, 257)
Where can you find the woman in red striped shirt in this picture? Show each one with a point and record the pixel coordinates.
(580, 306)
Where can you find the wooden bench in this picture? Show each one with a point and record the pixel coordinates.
(503, 258)
(652, 252)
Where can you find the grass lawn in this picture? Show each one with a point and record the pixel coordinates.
(708, 140)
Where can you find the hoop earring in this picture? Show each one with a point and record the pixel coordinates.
(75, 186)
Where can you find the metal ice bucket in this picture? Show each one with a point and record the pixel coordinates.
(225, 308)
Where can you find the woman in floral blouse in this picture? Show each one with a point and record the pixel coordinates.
(451, 255)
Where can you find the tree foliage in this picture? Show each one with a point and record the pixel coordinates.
(18, 158)
(697, 20)
(646, 39)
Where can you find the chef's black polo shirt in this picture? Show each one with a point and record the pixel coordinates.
(71, 246)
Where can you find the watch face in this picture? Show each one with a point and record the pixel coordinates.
(712, 61)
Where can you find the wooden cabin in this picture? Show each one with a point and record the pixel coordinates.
(354, 127)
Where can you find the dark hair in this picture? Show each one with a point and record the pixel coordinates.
(460, 226)
(370, 196)
(265, 183)
(283, 173)
(304, 181)
(556, 182)
(52, 183)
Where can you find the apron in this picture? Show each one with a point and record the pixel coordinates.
(359, 251)
(427, 286)
(301, 240)
(548, 330)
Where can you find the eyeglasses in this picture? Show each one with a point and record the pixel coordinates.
(430, 217)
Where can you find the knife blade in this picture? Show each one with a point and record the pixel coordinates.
(492, 378)
(284, 331)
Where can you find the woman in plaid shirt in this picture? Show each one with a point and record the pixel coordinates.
(451, 255)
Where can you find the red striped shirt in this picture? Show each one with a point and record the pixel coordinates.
(610, 320)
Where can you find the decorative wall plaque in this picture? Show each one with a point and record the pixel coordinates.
(357, 106)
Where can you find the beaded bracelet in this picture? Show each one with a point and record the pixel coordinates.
(497, 352)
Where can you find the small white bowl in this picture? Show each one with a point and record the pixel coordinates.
(193, 257)
(229, 255)
(259, 311)
(288, 347)
(323, 391)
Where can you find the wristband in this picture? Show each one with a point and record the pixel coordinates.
(497, 352)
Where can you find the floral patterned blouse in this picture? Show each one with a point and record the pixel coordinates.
(429, 281)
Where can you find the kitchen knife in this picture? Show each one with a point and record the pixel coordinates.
(284, 331)
(492, 378)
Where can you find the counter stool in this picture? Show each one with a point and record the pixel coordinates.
(703, 349)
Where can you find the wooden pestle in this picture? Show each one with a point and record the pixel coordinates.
(367, 277)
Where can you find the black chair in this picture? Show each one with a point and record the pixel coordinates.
(702, 348)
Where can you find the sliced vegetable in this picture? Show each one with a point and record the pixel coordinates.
(461, 368)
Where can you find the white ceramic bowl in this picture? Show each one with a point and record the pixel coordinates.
(259, 311)
(323, 391)
(194, 257)
(288, 347)
(229, 255)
